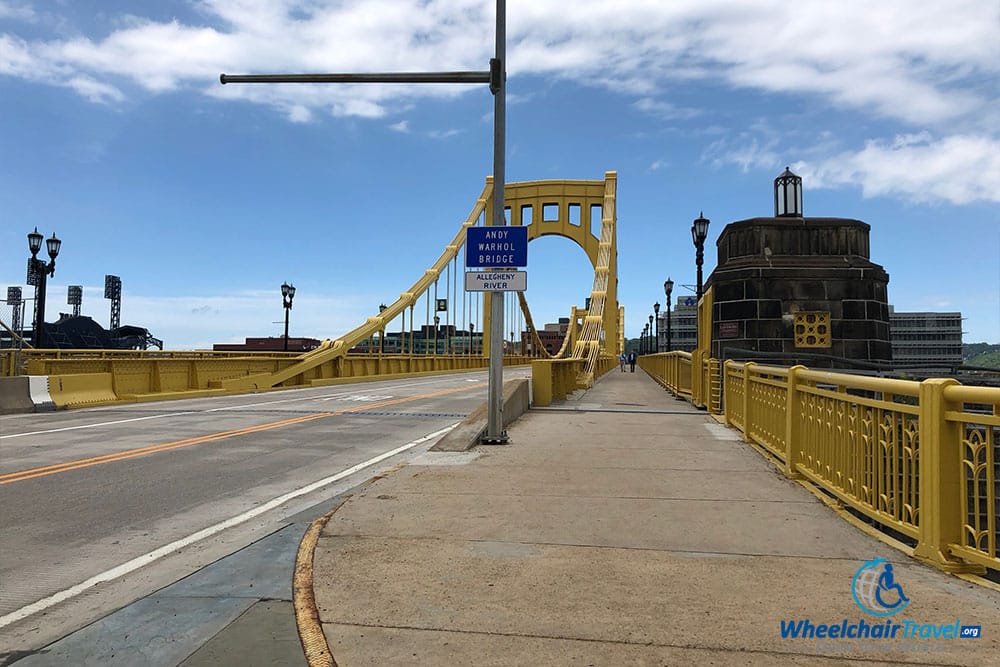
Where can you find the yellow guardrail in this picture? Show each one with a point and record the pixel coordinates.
(555, 379)
(81, 378)
(676, 371)
(918, 459)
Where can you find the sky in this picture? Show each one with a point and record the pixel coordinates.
(117, 136)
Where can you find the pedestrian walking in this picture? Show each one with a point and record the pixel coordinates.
(631, 360)
(621, 361)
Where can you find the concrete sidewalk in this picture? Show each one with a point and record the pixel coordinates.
(626, 528)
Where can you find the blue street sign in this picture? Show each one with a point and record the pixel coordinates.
(496, 247)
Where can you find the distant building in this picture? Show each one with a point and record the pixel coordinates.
(272, 344)
(444, 338)
(925, 339)
(551, 335)
(683, 326)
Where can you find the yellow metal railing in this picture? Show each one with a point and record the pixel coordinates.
(918, 459)
(857, 438)
(676, 372)
(555, 379)
(99, 378)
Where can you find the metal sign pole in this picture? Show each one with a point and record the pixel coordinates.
(495, 433)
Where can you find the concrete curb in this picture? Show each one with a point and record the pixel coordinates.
(25, 393)
(465, 436)
(307, 621)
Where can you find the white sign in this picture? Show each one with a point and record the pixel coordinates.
(496, 281)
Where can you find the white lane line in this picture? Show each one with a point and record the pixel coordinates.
(146, 559)
(74, 428)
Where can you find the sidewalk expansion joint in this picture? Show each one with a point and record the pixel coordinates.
(577, 496)
(682, 553)
(649, 411)
(834, 660)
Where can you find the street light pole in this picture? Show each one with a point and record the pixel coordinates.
(656, 327)
(699, 231)
(287, 294)
(649, 342)
(38, 273)
(668, 288)
(381, 336)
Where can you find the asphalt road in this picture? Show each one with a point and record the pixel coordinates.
(118, 495)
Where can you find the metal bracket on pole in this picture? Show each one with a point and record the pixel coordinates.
(496, 78)
(402, 77)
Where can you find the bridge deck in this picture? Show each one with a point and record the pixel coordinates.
(623, 528)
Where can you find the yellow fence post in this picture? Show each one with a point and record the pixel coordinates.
(726, 391)
(746, 398)
(696, 377)
(941, 511)
(793, 423)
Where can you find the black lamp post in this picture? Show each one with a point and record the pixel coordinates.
(381, 336)
(699, 231)
(472, 338)
(656, 327)
(287, 294)
(642, 339)
(649, 342)
(668, 288)
(437, 320)
(38, 273)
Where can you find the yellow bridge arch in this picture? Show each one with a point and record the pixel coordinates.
(567, 208)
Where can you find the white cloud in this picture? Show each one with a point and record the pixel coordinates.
(921, 65)
(298, 113)
(402, 126)
(95, 91)
(443, 134)
(917, 63)
(958, 168)
(745, 152)
(11, 10)
(665, 110)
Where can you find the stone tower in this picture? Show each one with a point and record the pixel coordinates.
(799, 286)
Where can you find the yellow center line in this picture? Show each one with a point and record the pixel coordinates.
(197, 440)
